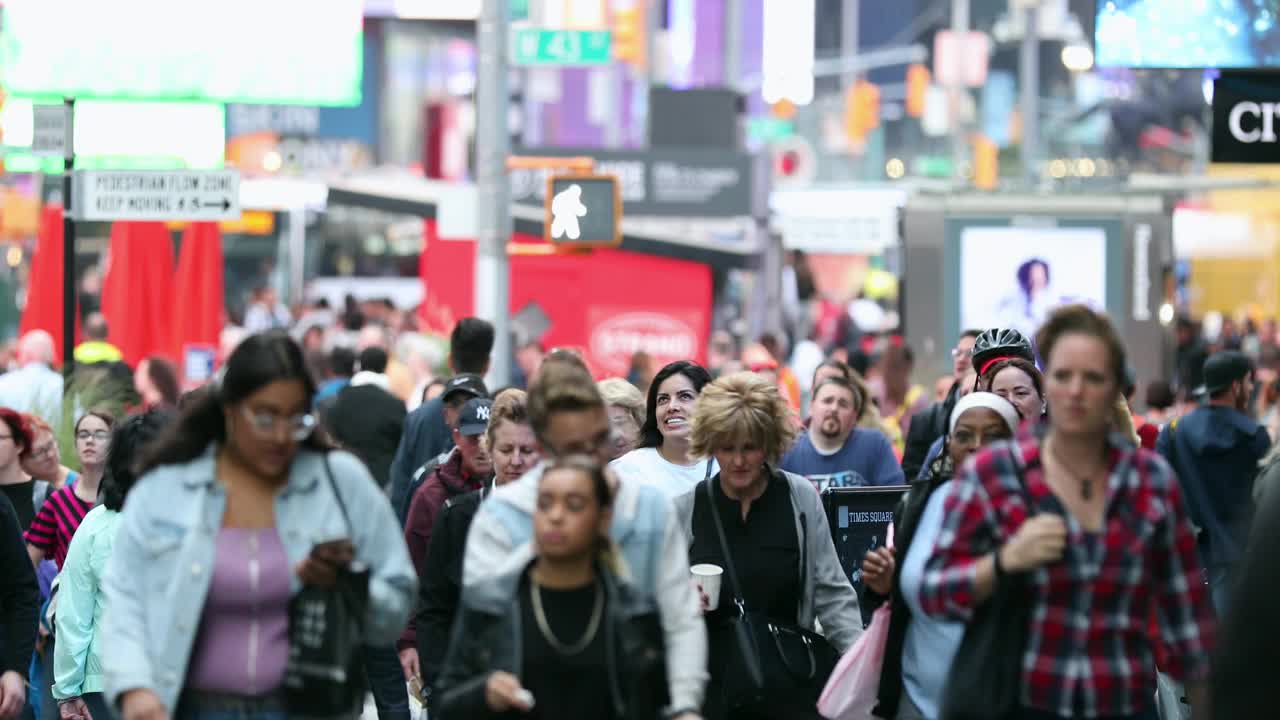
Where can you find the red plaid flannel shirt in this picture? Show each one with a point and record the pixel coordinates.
(1089, 651)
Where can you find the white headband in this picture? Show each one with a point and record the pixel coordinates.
(990, 401)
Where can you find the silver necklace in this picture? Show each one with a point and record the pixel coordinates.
(544, 627)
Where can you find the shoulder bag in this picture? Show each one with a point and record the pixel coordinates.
(766, 660)
(324, 676)
(985, 681)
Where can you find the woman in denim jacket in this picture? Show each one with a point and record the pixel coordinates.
(233, 514)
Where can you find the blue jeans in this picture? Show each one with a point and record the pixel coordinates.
(1220, 578)
(212, 706)
(386, 682)
(1028, 714)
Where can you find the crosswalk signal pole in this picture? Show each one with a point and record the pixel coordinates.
(493, 141)
(68, 248)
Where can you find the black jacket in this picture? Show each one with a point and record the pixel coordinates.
(925, 429)
(488, 637)
(908, 517)
(368, 421)
(440, 586)
(425, 437)
(19, 595)
(1243, 684)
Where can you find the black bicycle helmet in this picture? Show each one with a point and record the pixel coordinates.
(1000, 344)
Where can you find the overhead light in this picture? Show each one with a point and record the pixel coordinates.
(895, 168)
(1166, 314)
(1077, 57)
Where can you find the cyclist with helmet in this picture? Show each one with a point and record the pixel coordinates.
(991, 351)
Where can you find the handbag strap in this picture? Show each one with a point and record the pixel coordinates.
(333, 485)
(724, 543)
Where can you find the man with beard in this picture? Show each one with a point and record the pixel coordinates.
(1215, 450)
(833, 453)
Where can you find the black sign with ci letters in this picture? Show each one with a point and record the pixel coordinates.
(1246, 117)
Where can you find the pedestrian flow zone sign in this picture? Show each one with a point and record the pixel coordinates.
(583, 211)
(189, 195)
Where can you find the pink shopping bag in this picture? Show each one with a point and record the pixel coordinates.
(851, 690)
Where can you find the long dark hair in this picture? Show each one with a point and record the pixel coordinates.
(698, 376)
(130, 438)
(257, 362)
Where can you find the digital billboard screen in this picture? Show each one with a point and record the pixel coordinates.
(250, 51)
(1013, 277)
(1187, 34)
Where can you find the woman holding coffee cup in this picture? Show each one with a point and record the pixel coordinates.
(776, 534)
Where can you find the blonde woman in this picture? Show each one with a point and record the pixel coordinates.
(778, 540)
(625, 404)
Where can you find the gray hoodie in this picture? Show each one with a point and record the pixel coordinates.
(827, 595)
(655, 555)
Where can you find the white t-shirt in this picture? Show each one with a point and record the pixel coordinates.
(646, 465)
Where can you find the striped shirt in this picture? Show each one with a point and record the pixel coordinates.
(56, 522)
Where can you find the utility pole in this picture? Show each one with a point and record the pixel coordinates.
(849, 37)
(1029, 71)
(959, 143)
(493, 186)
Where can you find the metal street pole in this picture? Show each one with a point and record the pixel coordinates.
(732, 43)
(493, 186)
(959, 143)
(849, 36)
(68, 248)
(1029, 71)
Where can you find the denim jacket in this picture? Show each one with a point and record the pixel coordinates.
(158, 577)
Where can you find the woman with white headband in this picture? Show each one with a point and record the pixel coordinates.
(919, 649)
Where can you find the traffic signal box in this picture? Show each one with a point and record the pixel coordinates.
(861, 110)
(629, 35)
(986, 163)
(918, 79)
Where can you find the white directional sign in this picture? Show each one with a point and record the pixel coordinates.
(156, 195)
(49, 130)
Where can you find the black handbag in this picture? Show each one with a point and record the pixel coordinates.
(763, 660)
(985, 680)
(324, 676)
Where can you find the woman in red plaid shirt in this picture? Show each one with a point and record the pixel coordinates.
(1106, 540)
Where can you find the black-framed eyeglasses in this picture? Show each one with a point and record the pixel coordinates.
(264, 424)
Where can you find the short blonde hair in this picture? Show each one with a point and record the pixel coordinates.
(511, 405)
(617, 391)
(742, 407)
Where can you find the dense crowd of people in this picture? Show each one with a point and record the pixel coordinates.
(333, 516)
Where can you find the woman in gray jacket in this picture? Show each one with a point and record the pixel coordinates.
(776, 530)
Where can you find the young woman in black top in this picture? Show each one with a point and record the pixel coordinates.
(560, 635)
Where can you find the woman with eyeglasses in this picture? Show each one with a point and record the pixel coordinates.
(919, 649)
(77, 663)
(15, 439)
(50, 533)
(235, 512)
(43, 462)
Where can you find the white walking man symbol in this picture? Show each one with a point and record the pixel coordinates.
(566, 208)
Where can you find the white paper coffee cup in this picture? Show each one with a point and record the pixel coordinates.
(707, 577)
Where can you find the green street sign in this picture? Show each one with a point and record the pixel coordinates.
(766, 129)
(536, 46)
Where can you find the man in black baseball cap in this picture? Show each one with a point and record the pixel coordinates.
(466, 468)
(1215, 450)
(459, 390)
(427, 430)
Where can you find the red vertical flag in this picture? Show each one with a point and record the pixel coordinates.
(43, 310)
(199, 309)
(137, 293)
